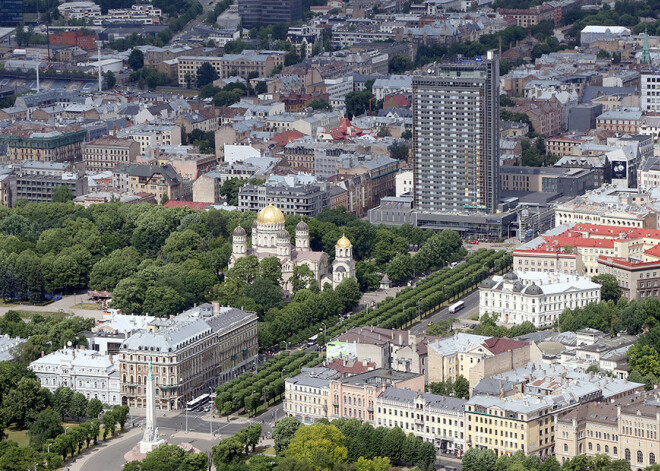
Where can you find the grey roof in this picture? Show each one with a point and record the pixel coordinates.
(433, 400)
(148, 171)
(592, 92)
(314, 377)
(378, 377)
(493, 387)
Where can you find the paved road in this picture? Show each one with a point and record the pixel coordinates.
(471, 307)
(110, 456)
(63, 305)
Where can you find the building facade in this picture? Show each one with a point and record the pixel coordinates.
(306, 395)
(44, 143)
(256, 12)
(535, 297)
(83, 371)
(108, 152)
(433, 418)
(191, 354)
(456, 137)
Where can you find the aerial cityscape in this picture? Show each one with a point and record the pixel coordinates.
(330, 235)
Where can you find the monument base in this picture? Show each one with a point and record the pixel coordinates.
(140, 450)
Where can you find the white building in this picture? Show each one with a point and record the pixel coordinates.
(84, 371)
(337, 89)
(404, 182)
(537, 297)
(433, 418)
(593, 33)
(650, 87)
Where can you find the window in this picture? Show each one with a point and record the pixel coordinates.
(627, 454)
(640, 456)
(651, 458)
(566, 447)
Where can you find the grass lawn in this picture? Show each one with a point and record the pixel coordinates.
(30, 314)
(4, 304)
(270, 451)
(89, 306)
(474, 317)
(19, 436)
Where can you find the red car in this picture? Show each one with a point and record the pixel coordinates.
(474, 242)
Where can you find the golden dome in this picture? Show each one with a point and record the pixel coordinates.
(270, 215)
(344, 242)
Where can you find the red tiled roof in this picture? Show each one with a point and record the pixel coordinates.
(351, 367)
(498, 345)
(285, 137)
(400, 100)
(191, 204)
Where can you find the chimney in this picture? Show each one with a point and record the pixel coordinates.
(110, 355)
(43, 354)
(216, 307)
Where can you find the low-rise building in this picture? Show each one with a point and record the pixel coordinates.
(568, 182)
(536, 297)
(84, 371)
(355, 397)
(191, 353)
(306, 395)
(35, 181)
(625, 121)
(150, 135)
(162, 181)
(293, 194)
(433, 418)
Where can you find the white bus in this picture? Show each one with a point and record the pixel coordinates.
(456, 307)
(198, 402)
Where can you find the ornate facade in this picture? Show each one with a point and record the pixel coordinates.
(270, 239)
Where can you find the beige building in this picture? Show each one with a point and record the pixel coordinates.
(511, 424)
(433, 418)
(108, 152)
(306, 396)
(162, 181)
(355, 397)
(191, 354)
(625, 430)
(475, 357)
(230, 65)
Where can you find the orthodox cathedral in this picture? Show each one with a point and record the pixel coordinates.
(270, 239)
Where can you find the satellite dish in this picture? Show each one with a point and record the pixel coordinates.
(69, 343)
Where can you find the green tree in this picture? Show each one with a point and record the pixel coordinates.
(393, 444)
(47, 425)
(357, 103)
(270, 269)
(376, 464)
(173, 458)
(265, 293)
(400, 268)
(302, 278)
(644, 359)
(261, 87)
(136, 59)
(283, 432)
(399, 150)
(110, 79)
(476, 459)
(462, 387)
(407, 135)
(609, 287)
(94, 408)
(25, 401)
(162, 301)
(319, 104)
(78, 406)
(349, 292)
(398, 64)
(62, 194)
(62, 400)
(206, 74)
(322, 446)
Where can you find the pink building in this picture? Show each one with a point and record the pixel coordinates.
(355, 396)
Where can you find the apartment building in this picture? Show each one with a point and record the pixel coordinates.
(567, 181)
(433, 418)
(108, 152)
(510, 424)
(625, 121)
(230, 65)
(624, 430)
(650, 88)
(637, 279)
(530, 16)
(36, 181)
(148, 135)
(41, 142)
(191, 354)
(306, 394)
(294, 194)
(355, 397)
(159, 180)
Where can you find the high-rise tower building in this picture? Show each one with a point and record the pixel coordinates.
(456, 137)
(11, 12)
(268, 12)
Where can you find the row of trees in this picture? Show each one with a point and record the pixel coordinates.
(429, 293)
(170, 458)
(253, 389)
(476, 459)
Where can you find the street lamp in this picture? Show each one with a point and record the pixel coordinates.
(287, 345)
(325, 333)
(65, 430)
(211, 414)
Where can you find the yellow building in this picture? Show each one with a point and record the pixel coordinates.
(511, 424)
